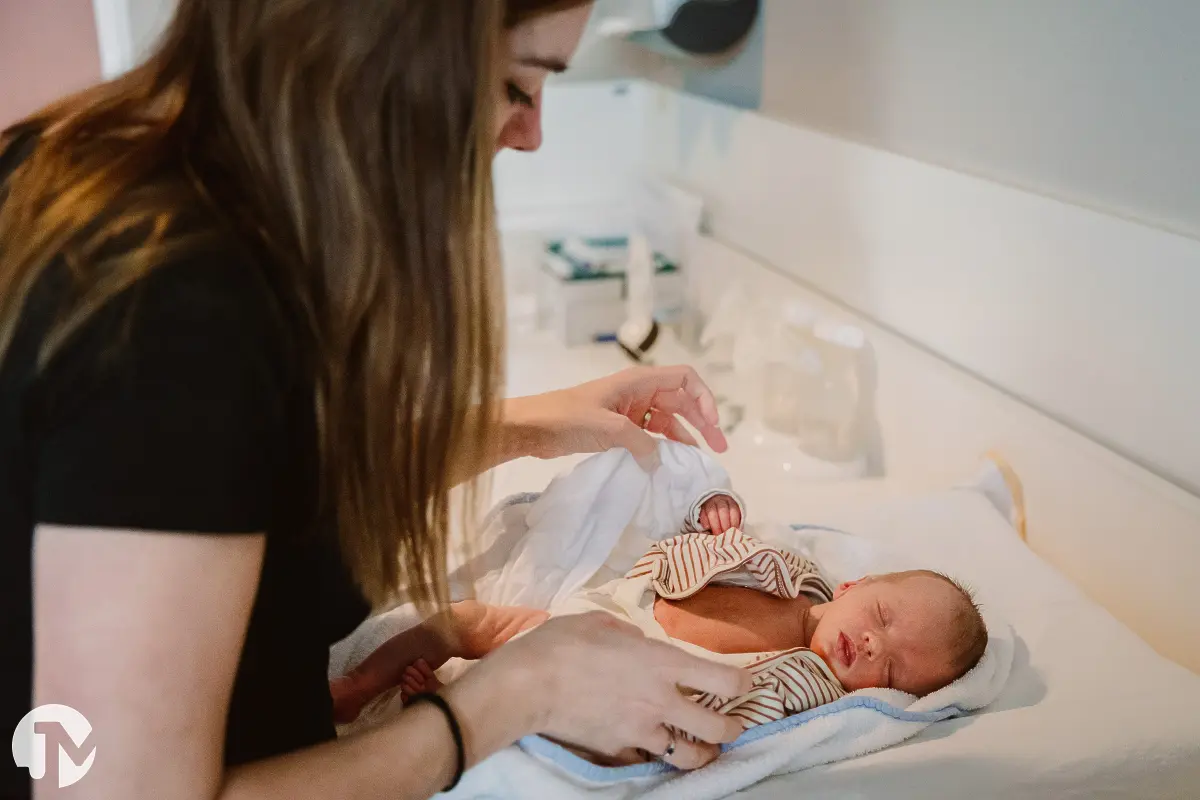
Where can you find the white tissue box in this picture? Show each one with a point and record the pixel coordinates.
(580, 311)
(584, 305)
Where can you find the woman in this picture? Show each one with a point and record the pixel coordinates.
(249, 340)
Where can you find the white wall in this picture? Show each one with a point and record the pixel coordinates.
(128, 30)
(1085, 316)
(1090, 101)
(596, 136)
(148, 19)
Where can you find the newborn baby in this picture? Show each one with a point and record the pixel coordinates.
(723, 594)
(915, 631)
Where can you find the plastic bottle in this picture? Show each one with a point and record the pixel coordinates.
(792, 364)
(812, 387)
(640, 331)
(829, 418)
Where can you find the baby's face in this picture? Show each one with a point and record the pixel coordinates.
(879, 633)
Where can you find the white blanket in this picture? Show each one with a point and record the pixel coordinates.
(592, 525)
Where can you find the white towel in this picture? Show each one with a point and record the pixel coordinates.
(592, 525)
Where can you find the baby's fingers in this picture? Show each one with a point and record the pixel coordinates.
(725, 516)
(413, 680)
(735, 517)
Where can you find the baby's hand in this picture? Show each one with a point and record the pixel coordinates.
(418, 679)
(720, 513)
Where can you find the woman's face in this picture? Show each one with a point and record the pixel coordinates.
(536, 48)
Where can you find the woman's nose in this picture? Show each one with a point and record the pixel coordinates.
(523, 131)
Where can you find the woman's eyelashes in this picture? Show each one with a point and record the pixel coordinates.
(518, 96)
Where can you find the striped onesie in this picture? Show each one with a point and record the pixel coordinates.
(783, 683)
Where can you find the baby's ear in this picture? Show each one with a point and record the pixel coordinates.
(847, 586)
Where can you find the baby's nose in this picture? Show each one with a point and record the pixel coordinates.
(869, 645)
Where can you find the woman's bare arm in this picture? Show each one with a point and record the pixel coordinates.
(141, 632)
(620, 410)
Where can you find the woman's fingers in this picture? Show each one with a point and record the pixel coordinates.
(674, 390)
(703, 723)
(666, 423)
(679, 751)
(678, 402)
(535, 618)
(641, 444)
(686, 406)
(693, 393)
(701, 675)
(693, 755)
(597, 703)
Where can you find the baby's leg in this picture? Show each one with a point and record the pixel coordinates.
(384, 668)
(480, 628)
(468, 630)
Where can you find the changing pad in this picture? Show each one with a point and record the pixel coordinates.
(1090, 710)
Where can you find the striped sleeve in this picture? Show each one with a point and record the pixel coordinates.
(783, 684)
(681, 566)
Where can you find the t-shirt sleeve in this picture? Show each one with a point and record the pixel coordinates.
(165, 410)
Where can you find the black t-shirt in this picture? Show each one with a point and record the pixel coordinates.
(182, 405)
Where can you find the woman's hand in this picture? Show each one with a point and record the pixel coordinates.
(612, 412)
(595, 682)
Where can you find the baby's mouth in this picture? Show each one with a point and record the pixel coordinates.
(846, 651)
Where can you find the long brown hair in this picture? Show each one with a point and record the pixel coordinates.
(354, 147)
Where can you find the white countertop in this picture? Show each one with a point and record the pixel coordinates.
(770, 476)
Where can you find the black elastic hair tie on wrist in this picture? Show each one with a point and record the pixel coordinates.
(455, 731)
